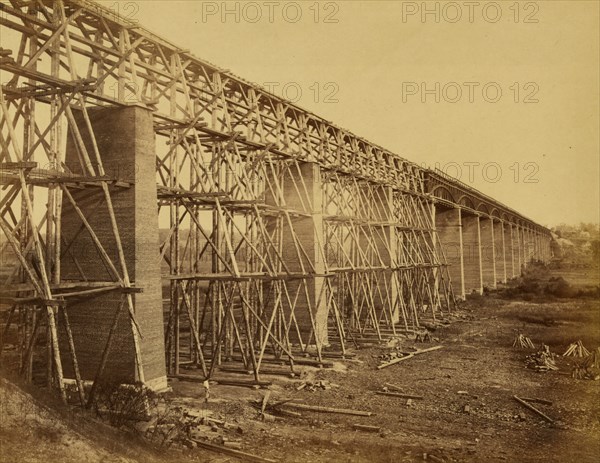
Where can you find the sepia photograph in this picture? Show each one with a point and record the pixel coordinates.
(311, 231)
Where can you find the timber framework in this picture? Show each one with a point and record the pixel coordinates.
(284, 235)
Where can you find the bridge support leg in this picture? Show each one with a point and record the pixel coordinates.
(530, 245)
(449, 231)
(488, 252)
(125, 141)
(387, 248)
(301, 249)
(511, 250)
(472, 253)
(518, 246)
(500, 247)
(546, 248)
(525, 247)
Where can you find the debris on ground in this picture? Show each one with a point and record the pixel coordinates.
(576, 349)
(423, 336)
(313, 386)
(543, 360)
(523, 342)
(189, 427)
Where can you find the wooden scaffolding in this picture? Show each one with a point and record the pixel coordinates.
(281, 232)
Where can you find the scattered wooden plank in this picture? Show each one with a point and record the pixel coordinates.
(393, 387)
(536, 400)
(394, 362)
(223, 382)
(313, 363)
(423, 351)
(533, 409)
(289, 413)
(317, 408)
(435, 459)
(229, 451)
(366, 428)
(252, 384)
(402, 396)
(410, 355)
(265, 371)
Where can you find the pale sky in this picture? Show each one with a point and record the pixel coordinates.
(367, 66)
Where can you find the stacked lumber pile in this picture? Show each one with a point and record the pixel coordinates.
(523, 342)
(593, 360)
(543, 360)
(581, 372)
(584, 370)
(576, 349)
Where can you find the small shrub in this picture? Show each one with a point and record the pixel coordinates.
(559, 287)
(136, 408)
(123, 405)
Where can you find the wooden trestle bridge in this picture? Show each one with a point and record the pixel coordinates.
(159, 212)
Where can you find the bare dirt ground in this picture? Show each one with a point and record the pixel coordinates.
(467, 413)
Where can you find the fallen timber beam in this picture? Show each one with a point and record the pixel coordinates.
(223, 381)
(536, 400)
(402, 396)
(410, 355)
(318, 408)
(252, 384)
(229, 451)
(533, 409)
(393, 387)
(295, 359)
(263, 371)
